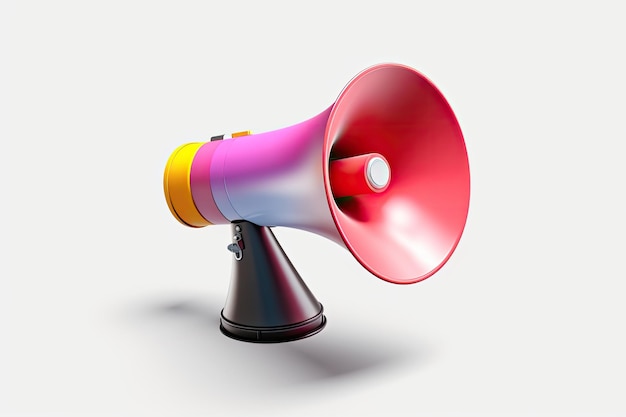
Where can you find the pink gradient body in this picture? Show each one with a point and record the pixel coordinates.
(200, 180)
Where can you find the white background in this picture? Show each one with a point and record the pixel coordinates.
(109, 307)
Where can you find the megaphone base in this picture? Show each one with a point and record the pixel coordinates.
(267, 302)
(273, 334)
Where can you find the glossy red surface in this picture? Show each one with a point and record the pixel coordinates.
(406, 233)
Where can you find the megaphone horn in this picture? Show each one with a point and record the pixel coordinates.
(383, 172)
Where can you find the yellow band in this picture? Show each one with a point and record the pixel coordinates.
(177, 187)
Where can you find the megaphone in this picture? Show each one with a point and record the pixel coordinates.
(382, 172)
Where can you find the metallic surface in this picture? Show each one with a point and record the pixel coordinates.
(267, 300)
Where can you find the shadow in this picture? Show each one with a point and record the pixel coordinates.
(189, 308)
(342, 357)
(186, 333)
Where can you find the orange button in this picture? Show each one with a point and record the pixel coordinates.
(243, 133)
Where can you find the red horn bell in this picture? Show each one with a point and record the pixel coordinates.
(406, 233)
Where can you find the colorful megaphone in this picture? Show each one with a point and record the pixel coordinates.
(383, 172)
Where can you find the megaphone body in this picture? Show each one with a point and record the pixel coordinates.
(382, 172)
(270, 179)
